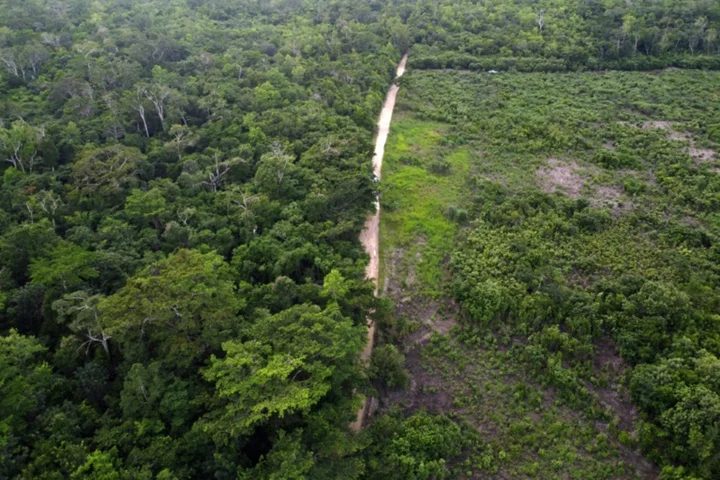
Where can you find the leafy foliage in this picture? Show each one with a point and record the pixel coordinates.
(182, 289)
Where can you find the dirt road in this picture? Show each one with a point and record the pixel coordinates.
(370, 237)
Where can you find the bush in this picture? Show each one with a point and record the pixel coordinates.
(459, 215)
(439, 167)
(418, 447)
(615, 160)
(387, 365)
(408, 160)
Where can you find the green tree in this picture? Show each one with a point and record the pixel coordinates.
(418, 447)
(24, 381)
(105, 172)
(176, 310)
(66, 267)
(80, 311)
(146, 207)
(290, 362)
(101, 466)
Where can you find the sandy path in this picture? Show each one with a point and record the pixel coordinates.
(370, 236)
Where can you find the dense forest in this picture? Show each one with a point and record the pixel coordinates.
(567, 34)
(182, 288)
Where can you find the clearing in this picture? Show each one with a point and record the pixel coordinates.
(462, 145)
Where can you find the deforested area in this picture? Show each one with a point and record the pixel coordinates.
(191, 226)
(549, 246)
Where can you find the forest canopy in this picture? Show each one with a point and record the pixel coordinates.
(182, 288)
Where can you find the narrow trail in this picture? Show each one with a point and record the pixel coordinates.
(370, 236)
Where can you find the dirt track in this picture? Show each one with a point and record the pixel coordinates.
(370, 237)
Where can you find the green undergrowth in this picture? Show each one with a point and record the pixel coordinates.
(526, 431)
(574, 218)
(423, 184)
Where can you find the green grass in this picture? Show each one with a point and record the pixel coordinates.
(415, 200)
(526, 432)
(645, 210)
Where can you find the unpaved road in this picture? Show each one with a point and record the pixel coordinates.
(370, 236)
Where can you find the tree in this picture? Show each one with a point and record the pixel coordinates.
(177, 310)
(387, 365)
(335, 286)
(272, 171)
(67, 266)
(289, 458)
(23, 243)
(694, 424)
(181, 138)
(241, 201)
(137, 102)
(21, 61)
(146, 207)
(418, 447)
(158, 96)
(19, 145)
(158, 93)
(215, 174)
(80, 311)
(24, 381)
(101, 466)
(151, 392)
(540, 19)
(289, 363)
(106, 171)
(49, 202)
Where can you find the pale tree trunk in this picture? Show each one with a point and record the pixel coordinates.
(141, 110)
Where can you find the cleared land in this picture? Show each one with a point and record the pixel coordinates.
(526, 184)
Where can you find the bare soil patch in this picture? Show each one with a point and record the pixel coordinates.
(426, 391)
(614, 397)
(659, 124)
(700, 155)
(610, 197)
(680, 136)
(610, 366)
(562, 176)
(606, 195)
(393, 262)
(566, 177)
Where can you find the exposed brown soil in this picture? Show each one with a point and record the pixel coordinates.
(609, 365)
(700, 155)
(432, 390)
(567, 178)
(561, 176)
(435, 392)
(680, 136)
(615, 398)
(607, 196)
(370, 237)
(662, 125)
(426, 391)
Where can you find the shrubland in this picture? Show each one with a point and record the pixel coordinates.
(585, 252)
(182, 289)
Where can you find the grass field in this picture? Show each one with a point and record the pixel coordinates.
(527, 432)
(415, 201)
(536, 183)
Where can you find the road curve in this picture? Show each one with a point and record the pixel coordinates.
(370, 236)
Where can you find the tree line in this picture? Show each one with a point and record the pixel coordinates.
(182, 289)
